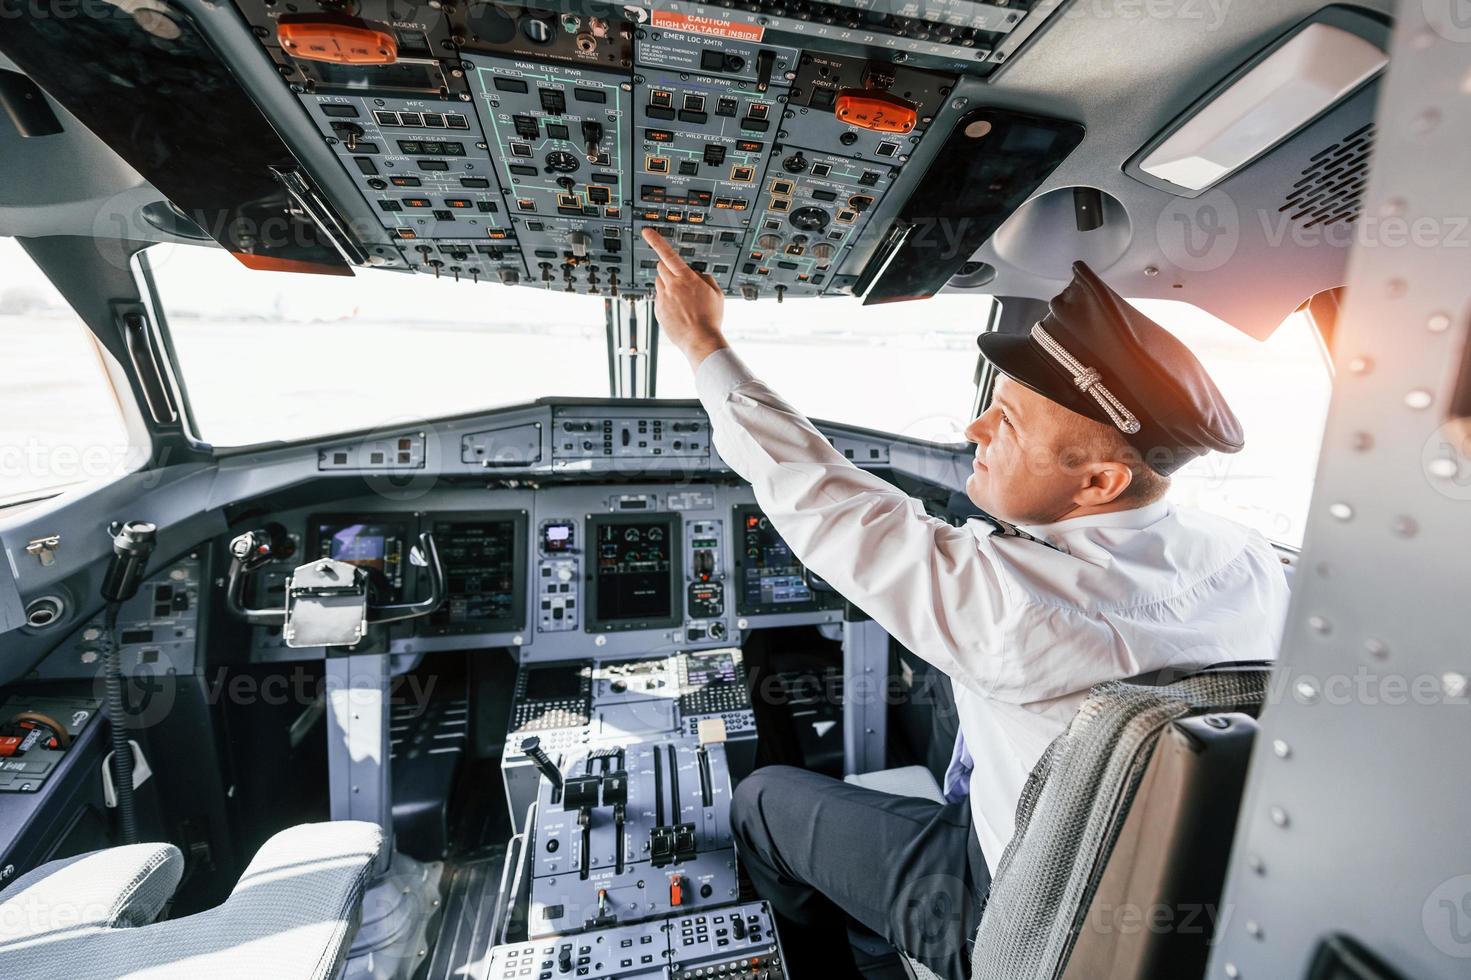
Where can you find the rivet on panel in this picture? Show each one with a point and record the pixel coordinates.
(1256, 864)
(1151, 271)
(1341, 511)
(1253, 928)
(1453, 684)
(1307, 691)
(1392, 207)
(1404, 526)
(1443, 467)
(1231, 971)
(1323, 569)
(1419, 399)
(1281, 748)
(1320, 625)
(1396, 287)
(1360, 365)
(1279, 816)
(1377, 649)
(1363, 442)
(1438, 323)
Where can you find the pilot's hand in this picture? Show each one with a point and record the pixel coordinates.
(690, 306)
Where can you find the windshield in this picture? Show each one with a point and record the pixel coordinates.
(906, 368)
(278, 356)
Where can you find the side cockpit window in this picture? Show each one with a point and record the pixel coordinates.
(1279, 388)
(61, 424)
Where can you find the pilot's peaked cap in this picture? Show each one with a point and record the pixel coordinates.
(1102, 358)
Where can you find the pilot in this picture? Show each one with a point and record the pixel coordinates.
(1086, 574)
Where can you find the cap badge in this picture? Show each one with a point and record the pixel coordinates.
(1088, 380)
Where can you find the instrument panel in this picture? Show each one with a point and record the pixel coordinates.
(521, 145)
(557, 572)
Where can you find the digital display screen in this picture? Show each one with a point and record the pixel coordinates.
(556, 537)
(557, 683)
(484, 575)
(635, 571)
(771, 577)
(376, 547)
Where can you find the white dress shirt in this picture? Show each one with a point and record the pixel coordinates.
(1023, 630)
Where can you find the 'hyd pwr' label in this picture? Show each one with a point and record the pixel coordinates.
(694, 24)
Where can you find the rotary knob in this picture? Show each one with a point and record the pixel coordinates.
(538, 30)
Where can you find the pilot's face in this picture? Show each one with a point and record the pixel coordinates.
(1019, 473)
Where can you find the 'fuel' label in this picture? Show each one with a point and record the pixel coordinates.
(694, 24)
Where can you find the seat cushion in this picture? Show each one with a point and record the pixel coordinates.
(290, 917)
(116, 887)
(916, 781)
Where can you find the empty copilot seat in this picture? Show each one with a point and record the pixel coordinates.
(1155, 765)
(291, 916)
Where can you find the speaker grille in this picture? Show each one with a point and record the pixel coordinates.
(1331, 188)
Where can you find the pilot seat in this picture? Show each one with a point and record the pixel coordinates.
(291, 916)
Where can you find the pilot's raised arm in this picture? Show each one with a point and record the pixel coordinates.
(1088, 575)
(933, 586)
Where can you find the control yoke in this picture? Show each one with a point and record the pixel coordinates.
(327, 601)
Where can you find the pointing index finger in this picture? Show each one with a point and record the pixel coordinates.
(666, 252)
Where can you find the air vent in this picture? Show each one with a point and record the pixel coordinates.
(1331, 188)
(44, 611)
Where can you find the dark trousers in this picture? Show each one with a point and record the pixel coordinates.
(908, 869)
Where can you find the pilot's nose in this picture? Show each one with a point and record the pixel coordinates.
(979, 431)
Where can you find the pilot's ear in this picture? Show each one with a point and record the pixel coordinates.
(1106, 480)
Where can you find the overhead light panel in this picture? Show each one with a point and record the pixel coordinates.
(1290, 87)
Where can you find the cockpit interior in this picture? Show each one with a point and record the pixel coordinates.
(378, 600)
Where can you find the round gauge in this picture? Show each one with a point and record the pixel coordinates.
(631, 534)
(656, 534)
(562, 162)
(809, 219)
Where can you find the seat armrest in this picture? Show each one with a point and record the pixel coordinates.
(112, 888)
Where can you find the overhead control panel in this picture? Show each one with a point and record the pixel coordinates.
(520, 145)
